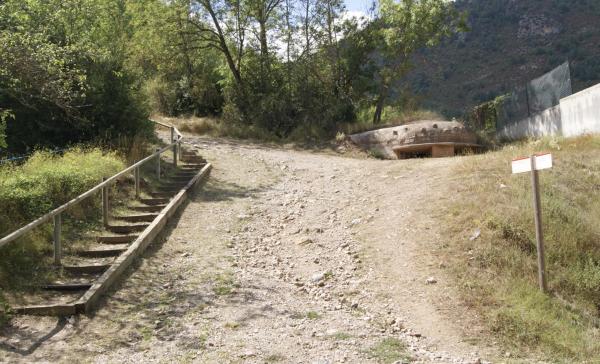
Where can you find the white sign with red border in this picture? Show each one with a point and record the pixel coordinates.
(523, 164)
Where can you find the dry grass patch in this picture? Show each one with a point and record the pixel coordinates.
(224, 284)
(389, 350)
(498, 270)
(313, 315)
(215, 127)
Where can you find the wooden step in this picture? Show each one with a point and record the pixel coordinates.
(152, 208)
(101, 253)
(195, 160)
(116, 239)
(179, 179)
(178, 185)
(154, 201)
(57, 309)
(192, 165)
(126, 229)
(185, 174)
(137, 218)
(86, 268)
(72, 286)
(172, 190)
(185, 169)
(161, 194)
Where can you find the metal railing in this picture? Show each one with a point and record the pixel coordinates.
(56, 214)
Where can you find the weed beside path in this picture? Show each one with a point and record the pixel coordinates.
(28, 191)
(498, 270)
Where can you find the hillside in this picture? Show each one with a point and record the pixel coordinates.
(509, 43)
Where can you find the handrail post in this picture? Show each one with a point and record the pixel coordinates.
(158, 164)
(57, 243)
(174, 141)
(136, 173)
(104, 203)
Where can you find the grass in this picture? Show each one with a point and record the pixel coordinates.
(275, 358)
(202, 339)
(498, 271)
(232, 325)
(223, 284)
(146, 333)
(30, 190)
(313, 315)
(217, 128)
(340, 336)
(45, 181)
(388, 350)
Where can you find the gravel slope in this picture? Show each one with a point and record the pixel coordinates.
(283, 256)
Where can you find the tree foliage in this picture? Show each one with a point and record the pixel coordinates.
(73, 70)
(62, 73)
(401, 29)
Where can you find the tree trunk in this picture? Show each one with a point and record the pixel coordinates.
(240, 33)
(306, 27)
(264, 51)
(186, 54)
(264, 54)
(223, 43)
(380, 104)
(288, 64)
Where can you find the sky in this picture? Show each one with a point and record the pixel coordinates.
(357, 7)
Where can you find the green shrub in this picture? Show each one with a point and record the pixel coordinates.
(160, 95)
(45, 181)
(30, 190)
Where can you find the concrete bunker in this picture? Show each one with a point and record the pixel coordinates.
(420, 139)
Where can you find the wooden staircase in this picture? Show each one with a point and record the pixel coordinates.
(81, 268)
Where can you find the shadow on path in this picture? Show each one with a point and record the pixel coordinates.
(29, 336)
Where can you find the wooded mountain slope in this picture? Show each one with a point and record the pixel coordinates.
(509, 43)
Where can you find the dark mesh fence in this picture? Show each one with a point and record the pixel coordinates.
(538, 95)
(546, 91)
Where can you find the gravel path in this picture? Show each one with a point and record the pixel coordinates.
(283, 256)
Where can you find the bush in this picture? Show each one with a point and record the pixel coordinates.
(46, 181)
(160, 95)
(30, 190)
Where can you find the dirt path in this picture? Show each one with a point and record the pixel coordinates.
(284, 256)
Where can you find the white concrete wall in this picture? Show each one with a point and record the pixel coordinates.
(581, 112)
(548, 122)
(577, 114)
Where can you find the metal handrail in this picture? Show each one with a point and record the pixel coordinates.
(25, 229)
(179, 135)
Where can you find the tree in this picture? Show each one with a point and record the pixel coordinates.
(62, 72)
(179, 73)
(401, 29)
(211, 30)
(4, 116)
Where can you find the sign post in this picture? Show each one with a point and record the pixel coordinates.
(533, 164)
